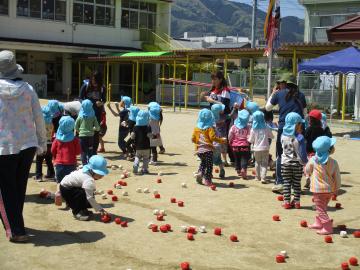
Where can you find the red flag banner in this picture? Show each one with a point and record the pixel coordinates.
(272, 27)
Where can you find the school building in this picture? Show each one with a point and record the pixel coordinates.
(50, 37)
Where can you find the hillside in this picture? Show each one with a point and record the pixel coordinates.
(223, 17)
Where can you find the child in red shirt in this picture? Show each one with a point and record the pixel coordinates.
(64, 150)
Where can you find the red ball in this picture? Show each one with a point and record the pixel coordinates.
(233, 238)
(303, 223)
(157, 196)
(353, 261)
(213, 187)
(120, 182)
(117, 220)
(191, 230)
(312, 199)
(280, 258)
(231, 184)
(217, 231)
(334, 197)
(217, 170)
(190, 236)
(106, 218)
(123, 224)
(154, 228)
(253, 172)
(168, 226)
(356, 234)
(338, 205)
(280, 198)
(185, 266)
(124, 184)
(43, 194)
(159, 181)
(345, 266)
(114, 198)
(328, 239)
(160, 217)
(110, 192)
(173, 200)
(163, 229)
(180, 203)
(276, 218)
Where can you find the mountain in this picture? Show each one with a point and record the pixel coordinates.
(224, 17)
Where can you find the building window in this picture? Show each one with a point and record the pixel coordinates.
(42, 9)
(138, 15)
(4, 7)
(325, 21)
(98, 12)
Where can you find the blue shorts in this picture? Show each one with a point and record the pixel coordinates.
(63, 170)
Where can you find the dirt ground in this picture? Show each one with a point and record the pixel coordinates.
(61, 242)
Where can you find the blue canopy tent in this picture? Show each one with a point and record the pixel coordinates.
(341, 62)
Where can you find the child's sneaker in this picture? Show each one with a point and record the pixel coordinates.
(222, 173)
(145, 171)
(58, 199)
(82, 216)
(162, 151)
(154, 163)
(264, 181)
(287, 205)
(307, 184)
(238, 173)
(206, 182)
(38, 179)
(198, 177)
(243, 174)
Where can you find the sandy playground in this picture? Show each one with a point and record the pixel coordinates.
(61, 242)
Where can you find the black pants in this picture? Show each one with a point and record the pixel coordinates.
(154, 154)
(130, 147)
(96, 142)
(75, 198)
(241, 159)
(14, 173)
(39, 161)
(206, 165)
(87, 149)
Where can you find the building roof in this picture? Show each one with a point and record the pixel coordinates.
(347, 31)
(228, 45)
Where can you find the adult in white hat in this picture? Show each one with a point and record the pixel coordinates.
(22, 133)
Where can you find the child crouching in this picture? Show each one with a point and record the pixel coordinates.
(203, 137)
(78, 188)
(325, 181)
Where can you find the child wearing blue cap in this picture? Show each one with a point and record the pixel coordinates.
(260, 137)
(47, 155)
(155, 114)
(78, 188)
(325, 181)
(141, 136)
(293, 158)
(57, 110)
(123, 113)
(238, 140)
(130, 146)
(65, 149)
(204, 137)
(220, 150)
(86, 124)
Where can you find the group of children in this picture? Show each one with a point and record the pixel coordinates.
(304, 152)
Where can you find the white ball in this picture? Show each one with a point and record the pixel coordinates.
(183, 228)
(184, 185)
(118, 186)
(149, 226)
(155, 192)
(146, 190)
(138, 190)
(120, 167)
(156, 212)
(162, 212)
(125, 193)
(160, 173)
(113, 167)
(343, 234)
(104, 196)
(122, 176)
(202, 229)
(284, 253)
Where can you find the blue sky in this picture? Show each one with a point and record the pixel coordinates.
(288, 7)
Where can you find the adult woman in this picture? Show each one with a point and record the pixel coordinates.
(22, 131)
(289, 99)
(95, 91)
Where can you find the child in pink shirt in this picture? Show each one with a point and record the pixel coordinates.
(259, 138)
(238, 140)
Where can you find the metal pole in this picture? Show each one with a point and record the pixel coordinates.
(225, 65)
(174, 85)
(332, 99)
(133, 81)
(344, 98)
(187, 78)
(253, 24)
(294, 62)
(107, 74)
(162, 85)
(269, 74)
(137, 83)
(142, 80)
(251, 83)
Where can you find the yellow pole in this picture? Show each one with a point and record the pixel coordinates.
(109, 93)
(225, 65)
(107, 74)
(344, 98)
(251, 80)
(133, 81)
(79, 76)
(173, 90)
(162, 84)
(137, 83)
(187, 78)
(294, 63)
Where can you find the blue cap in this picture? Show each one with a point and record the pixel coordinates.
(154, 111)
(205, 119)
(142, 118)
(322, 146)
(252, 106)
(46, 114)
(153, 103)
(291, 120)
(133, 113)
(243, 119)
(258, 120)
(97, 164)
(127, 101)
(87, 109)
(216, 109)
(65, 132)
(55, 107)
